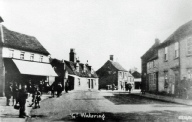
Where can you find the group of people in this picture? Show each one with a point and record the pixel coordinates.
(128, 87)
(20, 92)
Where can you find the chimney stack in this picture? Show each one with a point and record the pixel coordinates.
(72, 55)
(1, 20)
(157, 41)
(111, 57)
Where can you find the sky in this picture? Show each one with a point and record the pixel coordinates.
(97, 28)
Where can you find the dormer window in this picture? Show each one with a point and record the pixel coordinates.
(11, 53)
(32, 57)
(22, 55)
(41, 59)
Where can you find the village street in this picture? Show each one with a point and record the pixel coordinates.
(114, 107)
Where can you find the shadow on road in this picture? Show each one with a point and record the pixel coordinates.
(119, 99)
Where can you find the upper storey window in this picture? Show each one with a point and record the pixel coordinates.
(189, 46)
(11, 53)
(41, 59)
(32, 57)
(166, 54)
(176, 49)
(22, 55)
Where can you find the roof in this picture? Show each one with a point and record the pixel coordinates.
(117, 66)
(136, 74)
(84, 69)
(182, 32)
(24, 42)
(151, 52)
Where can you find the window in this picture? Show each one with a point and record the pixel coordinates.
(166, 79)
(154, 78)
(120, 74)
(32, 57)
(41, 58)
(79, 82)
(189, 74)
(166, 54)
(11, 53)
(189, 46)
(22, 55)
(176, 49)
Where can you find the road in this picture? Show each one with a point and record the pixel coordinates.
(110, 107)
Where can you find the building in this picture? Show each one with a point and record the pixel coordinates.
(23, 58)
(113, 73)
(175, 57)
(137, 79)
(80, 76)
(165, 65)
(149, 68)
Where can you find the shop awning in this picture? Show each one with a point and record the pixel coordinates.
(34, 68)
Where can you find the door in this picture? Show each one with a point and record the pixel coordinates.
(157, 82)
(89, 83)
(177, 79)
(92, 83)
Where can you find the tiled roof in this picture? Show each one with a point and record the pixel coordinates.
(117, 66)
(182, 32)
(71, 68)
(136, 74)
(23, 42)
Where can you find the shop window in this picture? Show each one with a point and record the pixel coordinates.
(189, 46)
(22, 55)
(11, 53)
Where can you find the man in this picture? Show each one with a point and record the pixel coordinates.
(59, 89)
(8, 92)
(22, 96)
(67, 86)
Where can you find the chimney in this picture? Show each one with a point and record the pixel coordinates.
(1, 30)
(111, 57)
(72, 55)
(157, 41)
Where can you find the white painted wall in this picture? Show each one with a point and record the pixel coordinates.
(6, 54)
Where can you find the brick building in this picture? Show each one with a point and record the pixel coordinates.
(175, 57)
(113, 73)
(149, 68)
(164, 65)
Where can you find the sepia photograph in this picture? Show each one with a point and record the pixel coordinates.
(95, 60)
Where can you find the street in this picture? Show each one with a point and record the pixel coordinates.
(114, 106)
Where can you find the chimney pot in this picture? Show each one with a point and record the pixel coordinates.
(111, 57)
(72, 55)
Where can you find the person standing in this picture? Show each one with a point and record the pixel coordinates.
(37, 97)
(67, 86)
(15, 93)
(59, 89)
(22, 96)
(8, 93)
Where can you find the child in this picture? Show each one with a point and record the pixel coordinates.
(37, 98)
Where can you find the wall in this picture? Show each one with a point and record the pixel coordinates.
(124, 77)
(186, 60)
(170, 66)
(6, 54)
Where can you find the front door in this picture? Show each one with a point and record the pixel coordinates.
(157, 83)
(177, 79)
(92, 83)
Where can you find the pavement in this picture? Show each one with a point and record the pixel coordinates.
(154, 96)
(9, 114)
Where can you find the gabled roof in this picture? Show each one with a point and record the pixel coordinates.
(136, 74)
(182, 32)
(117, 66)
(20, 41)
(71, 68)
